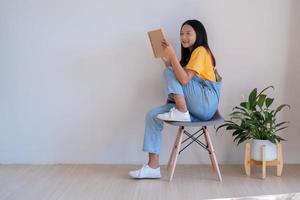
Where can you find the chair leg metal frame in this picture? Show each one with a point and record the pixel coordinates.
(194, 139)
(176, 150)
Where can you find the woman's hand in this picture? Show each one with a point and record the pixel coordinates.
(169, 53)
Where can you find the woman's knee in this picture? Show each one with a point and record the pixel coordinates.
(151, 114)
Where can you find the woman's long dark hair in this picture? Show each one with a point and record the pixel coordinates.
(201, 40)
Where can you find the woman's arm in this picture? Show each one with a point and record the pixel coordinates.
(182, 75)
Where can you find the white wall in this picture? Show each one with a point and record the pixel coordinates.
(77, 77)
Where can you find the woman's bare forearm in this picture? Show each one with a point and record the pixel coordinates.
(180, 73)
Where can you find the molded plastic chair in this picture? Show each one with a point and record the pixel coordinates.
(217, 119)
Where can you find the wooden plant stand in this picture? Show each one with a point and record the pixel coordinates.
(277, 162)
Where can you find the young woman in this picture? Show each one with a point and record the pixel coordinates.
(192, 88)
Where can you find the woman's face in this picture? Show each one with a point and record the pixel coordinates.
(187, 36)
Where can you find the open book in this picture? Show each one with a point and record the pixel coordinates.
(156, 37)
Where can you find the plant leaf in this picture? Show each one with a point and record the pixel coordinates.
(261, 100)
(279, 108)
(271, 86)
(252, 97)
(280, 138)
(280, 124)
(280, 129)
(242, 140)
(223, 125)
(269, 101)
(237, 113)
(242, 109)
(244, 105)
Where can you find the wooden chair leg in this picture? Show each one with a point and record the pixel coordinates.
(263, 151)
(279, 159)
(209, 154)
(173, 150)
(247, 164)
(176, 152)
(213, 155)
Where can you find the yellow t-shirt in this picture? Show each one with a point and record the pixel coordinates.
(201, 63)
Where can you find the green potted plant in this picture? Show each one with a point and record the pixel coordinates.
(255, 119)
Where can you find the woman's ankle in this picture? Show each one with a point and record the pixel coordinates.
(153, 161)
(180, 103)
(153, 166)
(183, 110)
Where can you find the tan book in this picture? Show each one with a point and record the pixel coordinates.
(156, 37)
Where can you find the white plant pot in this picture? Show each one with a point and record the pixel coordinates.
(256, 150)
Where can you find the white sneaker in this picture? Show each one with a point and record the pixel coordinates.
(146, 172)
(175, 115)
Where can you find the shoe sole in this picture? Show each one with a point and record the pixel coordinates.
(172, 120)
(154, 177)
(146, 177)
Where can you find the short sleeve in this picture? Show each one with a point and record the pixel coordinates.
(197, 60)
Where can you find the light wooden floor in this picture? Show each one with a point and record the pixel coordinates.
(111, 182)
